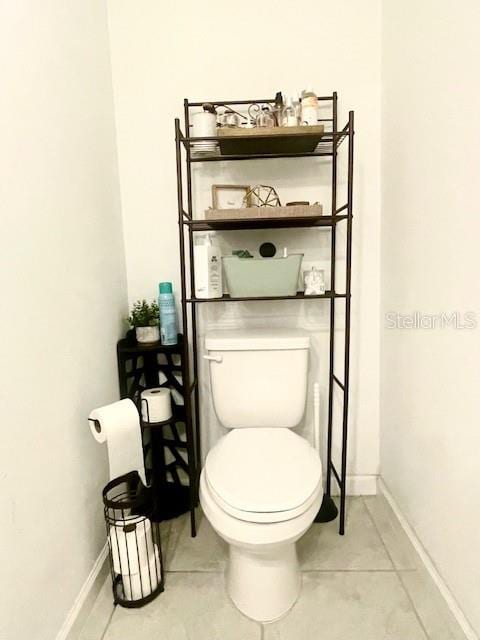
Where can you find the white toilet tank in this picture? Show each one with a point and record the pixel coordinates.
(258, 376)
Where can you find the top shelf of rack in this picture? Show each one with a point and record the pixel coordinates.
(243, 146)
(239, 143)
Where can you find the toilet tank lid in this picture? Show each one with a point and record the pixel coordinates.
(256, 340)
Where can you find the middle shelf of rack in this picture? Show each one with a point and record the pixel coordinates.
(328, 295)
(232, 224)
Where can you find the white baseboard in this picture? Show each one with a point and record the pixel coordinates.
(85, 599)
(358, 486)
(429, 565)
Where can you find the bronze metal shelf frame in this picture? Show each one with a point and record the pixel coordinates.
(188, 224)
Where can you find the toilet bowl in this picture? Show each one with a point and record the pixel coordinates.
(261, 485)
(261, 490)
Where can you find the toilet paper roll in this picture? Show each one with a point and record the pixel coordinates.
(156, 404)
(140, 585)
(118, 425)
(132, 548)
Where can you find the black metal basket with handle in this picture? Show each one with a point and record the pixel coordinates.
(134, 543)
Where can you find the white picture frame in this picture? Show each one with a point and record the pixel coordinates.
(229, 196)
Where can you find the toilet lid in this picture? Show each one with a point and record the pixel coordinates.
(263, 470)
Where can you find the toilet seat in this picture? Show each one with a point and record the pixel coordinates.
(263, 475)
(269, 517)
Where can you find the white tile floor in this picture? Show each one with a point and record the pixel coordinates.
(367, 585)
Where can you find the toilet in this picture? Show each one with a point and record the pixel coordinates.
(261, 485)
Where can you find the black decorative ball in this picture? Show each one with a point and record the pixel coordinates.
(267, 250)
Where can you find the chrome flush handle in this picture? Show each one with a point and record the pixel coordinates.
(213, 358)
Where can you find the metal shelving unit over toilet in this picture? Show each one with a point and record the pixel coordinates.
(327, 146)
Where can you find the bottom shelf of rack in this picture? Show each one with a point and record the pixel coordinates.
(299, 296)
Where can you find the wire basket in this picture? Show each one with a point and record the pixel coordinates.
(134, 543)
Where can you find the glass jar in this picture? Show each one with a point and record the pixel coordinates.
(265, 118)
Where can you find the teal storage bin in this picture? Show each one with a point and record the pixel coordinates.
(250, 277)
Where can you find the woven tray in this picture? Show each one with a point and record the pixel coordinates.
(295, 211)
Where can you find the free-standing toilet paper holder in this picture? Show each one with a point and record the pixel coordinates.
(134, 544)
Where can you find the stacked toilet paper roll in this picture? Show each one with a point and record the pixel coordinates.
(135, 557)
(204, 125)
(132, 546)
(118, 425)
(156, 404)
(140, 585)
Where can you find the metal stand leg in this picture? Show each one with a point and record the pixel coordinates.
(192, 468)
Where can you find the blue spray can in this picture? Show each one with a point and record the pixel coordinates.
(168, 314)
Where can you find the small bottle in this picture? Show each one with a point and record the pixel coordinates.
(278, 108)
(289, 117)
(207, 260)
(168, 314)
(297, 105)
(309, 107)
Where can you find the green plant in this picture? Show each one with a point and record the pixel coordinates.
(144, 314)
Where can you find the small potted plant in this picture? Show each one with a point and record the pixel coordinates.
(145, 318)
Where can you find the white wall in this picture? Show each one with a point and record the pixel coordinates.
(66, 275)
(64, 293)
(430, 413)
(164, 53)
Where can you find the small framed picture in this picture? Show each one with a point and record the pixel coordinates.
(229, 196)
